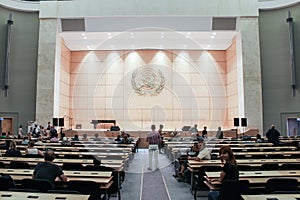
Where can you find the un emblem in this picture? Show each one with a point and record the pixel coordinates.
(147, 80)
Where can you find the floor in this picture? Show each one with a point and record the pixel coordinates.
(162, 185)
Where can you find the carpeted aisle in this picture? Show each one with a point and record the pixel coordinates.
(153, 186)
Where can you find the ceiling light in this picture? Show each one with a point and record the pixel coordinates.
(85, 37)
(83, 34)
(212, 36)
(214, 33)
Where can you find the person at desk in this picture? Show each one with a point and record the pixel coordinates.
(31, 150)
(273, 135)
(48, 170)
(183, 163)
(13, 151)
(203, 154)
(230, 170)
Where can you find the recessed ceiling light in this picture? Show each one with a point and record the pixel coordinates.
(85, 37)
(212, 36)
(214, 33)
(108, 34)
(83, 34)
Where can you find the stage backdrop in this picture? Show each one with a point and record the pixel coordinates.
(142, 87)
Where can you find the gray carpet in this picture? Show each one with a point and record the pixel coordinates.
(153, 186)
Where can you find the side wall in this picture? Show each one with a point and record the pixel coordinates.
(20, 103)
(275, 63)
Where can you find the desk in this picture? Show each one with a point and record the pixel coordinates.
(68, 173)
(197, 164)
(26, 195)
(277, 173)
(276, 196)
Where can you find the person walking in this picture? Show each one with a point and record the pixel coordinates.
(153, 138)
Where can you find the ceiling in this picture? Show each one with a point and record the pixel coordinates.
(119, 33)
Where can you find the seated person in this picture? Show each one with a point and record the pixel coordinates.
(13, 151)
(55, 138)
(203, 154)
(31, 150)
(193, 152)
(96, 138)
(3, 135)
(84, 137)
(25, 140)
(48, 170)
(65, 142)
(118, 139)
(258, 138)
(230, 170)
(75, 138)
(126, 140)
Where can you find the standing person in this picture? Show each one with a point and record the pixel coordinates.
(273, 135)
(20, 132)
(230, 170)
(194, 131)
(204, 132)
(219, 134)
(48, 170)
(153, 139)
(161, 143)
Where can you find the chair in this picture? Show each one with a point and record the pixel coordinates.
(269, 166)
(281, 184)
(2, 165)
(233, 189)
(290, 166)
(245, 167)
(72, 166)
(86, 187)
(19, 165)
(37, 184)
(6, 182)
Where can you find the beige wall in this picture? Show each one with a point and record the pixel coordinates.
(195, 88)
(64, 84)
(232, 84)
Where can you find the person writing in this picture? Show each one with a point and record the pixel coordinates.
(48, 170)
(153, 138)
(230, 170)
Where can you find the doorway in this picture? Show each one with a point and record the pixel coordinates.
(7, 124)
(293, 126)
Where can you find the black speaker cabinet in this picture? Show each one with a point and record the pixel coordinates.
(61, 122)
(236, 121)
(55, 121)
(244, 122)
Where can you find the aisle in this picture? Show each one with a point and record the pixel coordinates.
(135, 181)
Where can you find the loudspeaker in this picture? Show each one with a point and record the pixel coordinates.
(55, 121)
(244, 122)
(236, 121)
(115, 128)
(61, 122)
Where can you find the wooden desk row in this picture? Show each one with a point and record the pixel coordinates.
(116, 164)
(272, 197)
(9, 195)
